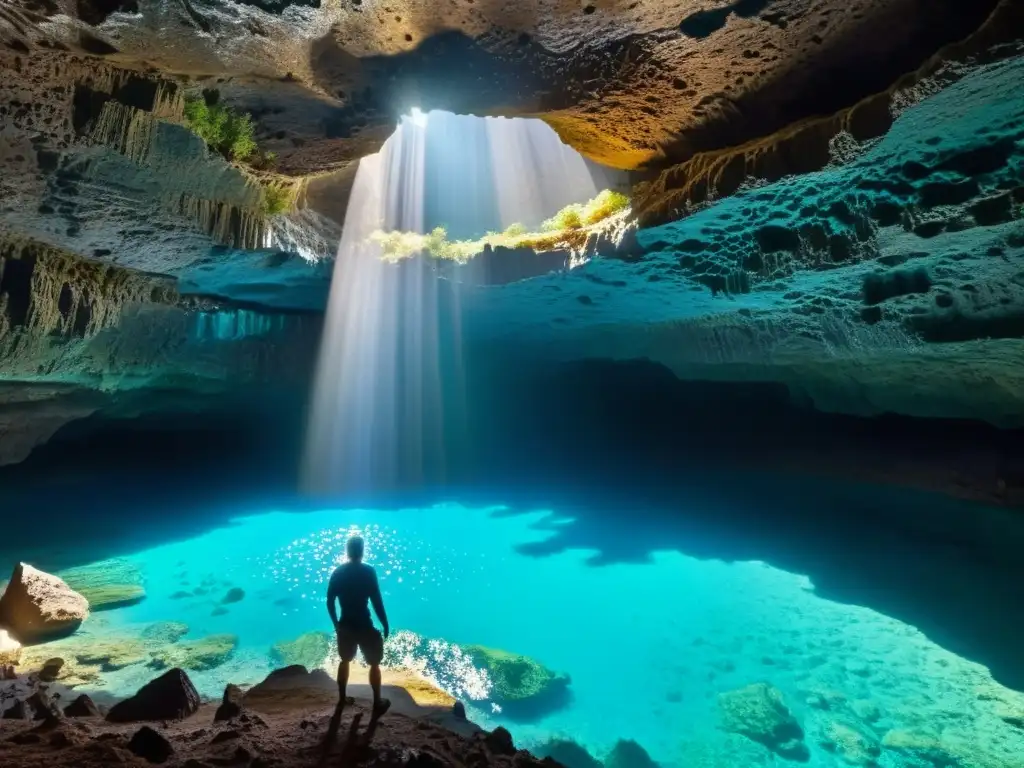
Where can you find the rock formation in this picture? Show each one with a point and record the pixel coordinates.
(37, 606)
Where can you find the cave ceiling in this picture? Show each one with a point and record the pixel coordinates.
(695, 99)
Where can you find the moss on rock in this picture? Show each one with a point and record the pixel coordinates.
(206, 653)
(309, 650)
(107, 584)
(520, 685)
(759, 712)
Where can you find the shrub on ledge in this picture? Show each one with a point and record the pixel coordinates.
(223, 129)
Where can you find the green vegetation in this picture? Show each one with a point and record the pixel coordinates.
(276, 199)
(222, 128)
(565, 228)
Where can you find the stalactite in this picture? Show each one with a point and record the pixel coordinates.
(230, 225)
(49, 291)
(128, 130)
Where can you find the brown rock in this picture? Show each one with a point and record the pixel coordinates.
(231, 704)
(43, 708)
(83, 706)
(38, 606)
(499, 741)
(149, 744)
(169, 697)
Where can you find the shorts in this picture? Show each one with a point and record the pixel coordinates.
(366, 639)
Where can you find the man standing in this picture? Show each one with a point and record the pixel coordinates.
(353, 584)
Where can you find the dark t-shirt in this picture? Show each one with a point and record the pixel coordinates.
(354, 584)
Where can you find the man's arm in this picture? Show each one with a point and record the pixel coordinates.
(378, 606)
(332, 598)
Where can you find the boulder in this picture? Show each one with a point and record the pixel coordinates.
(231, 705)
(83, 706)
(521, 686)
(10, 650)
(169, 697)
(38, 606)
(291, 688)
(759, 712)
(206, 653)
(150, 745)
(107, 584)
(309, 650)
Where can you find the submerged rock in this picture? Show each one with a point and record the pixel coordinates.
(169, 697)
(568, 753)
(111, 655)
(107, 584)
(198, 655)
(521, 686)
(628, 754)
(164, 632)
(309, 650)
(759, 712)
(51, 670)
(38, 606)
(855, 745)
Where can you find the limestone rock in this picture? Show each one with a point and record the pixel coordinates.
(520, 685)
(10, 650)
(949, 748)
(150, 745)
(169, 697)
(759, 712)
(206, 653)
(309, 650)
(38, 606)
(107, 584)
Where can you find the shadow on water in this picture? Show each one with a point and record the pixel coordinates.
(950, 568)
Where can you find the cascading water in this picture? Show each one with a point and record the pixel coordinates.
(389, 392)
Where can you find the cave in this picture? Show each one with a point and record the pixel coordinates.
(687, 336)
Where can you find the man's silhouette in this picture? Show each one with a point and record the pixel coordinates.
(353, 584)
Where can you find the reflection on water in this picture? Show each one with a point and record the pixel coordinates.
(652, 651)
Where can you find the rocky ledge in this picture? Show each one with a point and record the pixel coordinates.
(289, 719)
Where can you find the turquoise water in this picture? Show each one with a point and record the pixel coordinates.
(649, 646)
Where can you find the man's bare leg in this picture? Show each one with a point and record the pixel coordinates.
(380, 706)
(342, 683)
